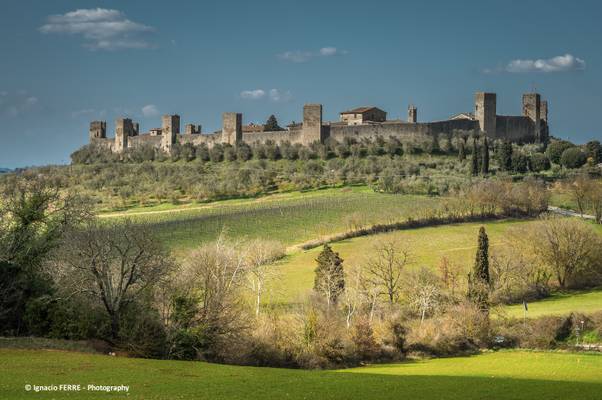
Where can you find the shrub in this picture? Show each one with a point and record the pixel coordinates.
(540, 333)
(462, 328)
(520, 162)
(539, 162)
(556, 148)
(573, 158)
(594, 151)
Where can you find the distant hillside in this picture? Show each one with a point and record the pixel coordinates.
(4, 170)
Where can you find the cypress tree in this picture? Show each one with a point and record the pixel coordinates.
(485, 157)
(475, 158)
(478, 279)
(504, 156)
(330, 278)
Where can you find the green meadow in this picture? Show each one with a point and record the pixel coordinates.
(456, 242)
(296, 217)
(560, 304)
(504, 375)
(290, 218)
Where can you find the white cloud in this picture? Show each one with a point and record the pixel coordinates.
(296, 56)
(300, 56)
(331, 51)
(275, 95)
(82, 113)
(150, 110)
(564, 63)
(255, 94)
(103, 29)
(279, 96)
(16, 103)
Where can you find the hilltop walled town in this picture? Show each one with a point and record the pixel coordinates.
(359, 123)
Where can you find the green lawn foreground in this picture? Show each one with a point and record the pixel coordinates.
(501, 375)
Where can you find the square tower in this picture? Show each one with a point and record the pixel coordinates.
(312, 123)
(485, 112)
(192, 129)
(544, 111)
(170, 128)
(123, 130)
(231, 128)
(532, 110)
(412, 114)
(98, 130)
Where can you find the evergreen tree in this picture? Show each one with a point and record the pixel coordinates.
(475, 158)
(504, 156)
(485, 157)
(272, 124)
(478, 279)
(461, 150)
(594, 151)
(330, 277)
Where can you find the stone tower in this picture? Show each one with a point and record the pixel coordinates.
(123, 130)
(312, 123)
(544, 111)
(231, 128)
(485, 112)
(412, 114)
(170, 128)
(532, 110)
(98, 130)
(192, 129)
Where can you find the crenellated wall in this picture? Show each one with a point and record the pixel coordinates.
(530, 127)
(399, 129)
(515, 128)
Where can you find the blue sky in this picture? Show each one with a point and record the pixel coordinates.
(65, 63)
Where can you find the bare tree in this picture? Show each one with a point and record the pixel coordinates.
(594, 198)
(587, 194)
(354, 294)
(566, 246)
(450, 275)
(423, 291)
(114, 264)
(213, 277)
(259, 255)
(384, 270)
(579, 189)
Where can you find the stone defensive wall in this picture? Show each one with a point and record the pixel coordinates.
(531, 126)
(399, 129)
(515, 128)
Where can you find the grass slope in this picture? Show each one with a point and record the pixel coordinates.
(291, 218)
(457, 242)
(502, 375)
(560, 304)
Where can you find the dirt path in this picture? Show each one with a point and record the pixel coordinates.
(570, 213)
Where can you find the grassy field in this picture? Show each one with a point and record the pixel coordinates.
(457, 242)
(504, 375)
(290, 218)
(560, 304)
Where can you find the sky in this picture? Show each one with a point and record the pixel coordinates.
(65, 63)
